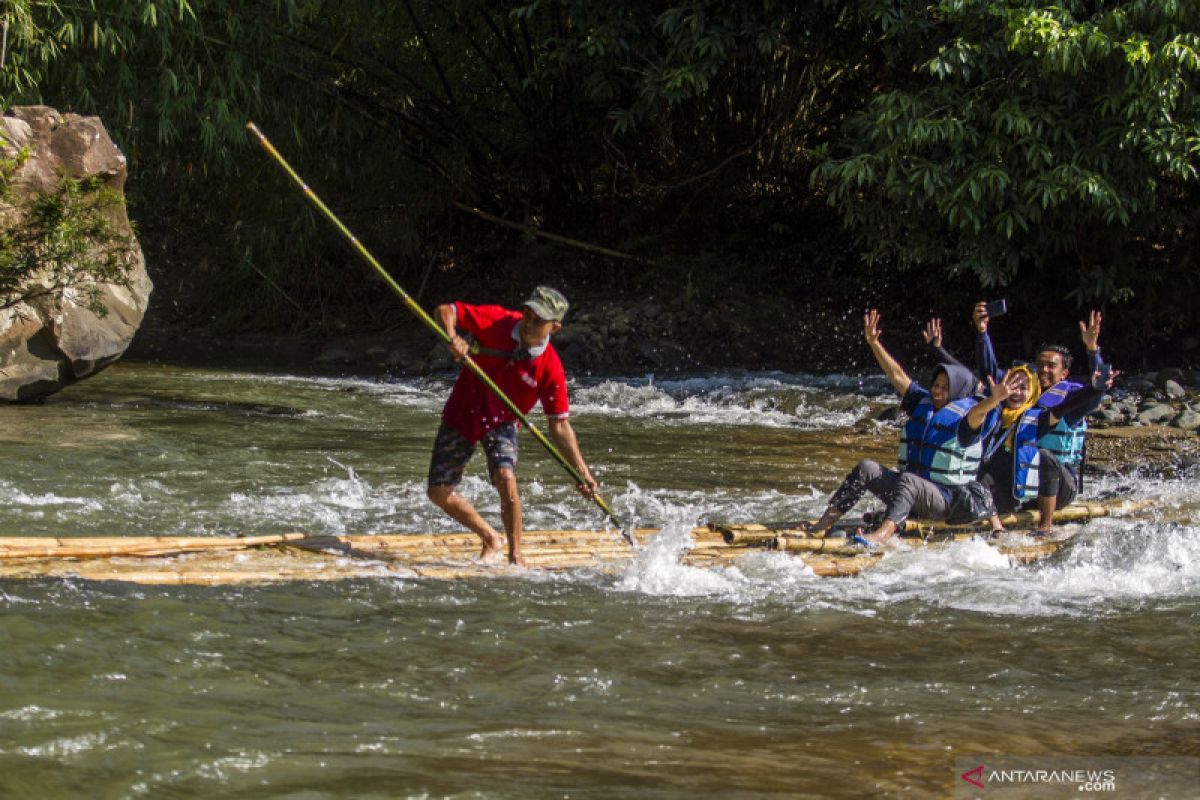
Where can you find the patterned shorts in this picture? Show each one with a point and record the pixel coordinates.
(452, 451)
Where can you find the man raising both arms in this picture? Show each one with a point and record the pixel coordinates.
(515, 352)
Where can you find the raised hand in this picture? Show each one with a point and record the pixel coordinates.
(979, 316)
(1090, 331)
(933, 332)
(999, 392)
(1103, 380)
(871, 329)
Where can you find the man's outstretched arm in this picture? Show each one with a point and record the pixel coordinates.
(564, 436)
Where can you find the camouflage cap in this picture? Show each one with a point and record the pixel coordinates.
(548, 304)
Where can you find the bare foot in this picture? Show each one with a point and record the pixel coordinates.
(517, 560)
(493, 549)
(882, 533)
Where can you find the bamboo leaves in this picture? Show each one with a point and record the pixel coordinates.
(1034, 120)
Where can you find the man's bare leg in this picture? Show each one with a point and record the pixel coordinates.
(463, 512)
(1046, 507)
(510, 512)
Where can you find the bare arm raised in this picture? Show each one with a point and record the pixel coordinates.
(891, 368)
(1090, 331)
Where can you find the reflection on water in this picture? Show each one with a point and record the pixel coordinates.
(755, 679)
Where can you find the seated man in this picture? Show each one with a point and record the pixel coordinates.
(938, 452)
(516, 353)
(1059, 435)
(1019, 469)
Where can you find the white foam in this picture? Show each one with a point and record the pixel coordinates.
(11, 495)
(1111, 563)
(748, 401)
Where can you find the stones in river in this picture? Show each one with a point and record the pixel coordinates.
(1187, 420)
(1173, 390)
(1110, 416)
(1156, 414)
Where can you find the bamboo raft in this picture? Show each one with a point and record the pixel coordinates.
(448, 556)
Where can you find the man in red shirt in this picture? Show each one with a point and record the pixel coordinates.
(515, 352)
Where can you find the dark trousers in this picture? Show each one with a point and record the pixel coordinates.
(1055, 479)
(903, 493)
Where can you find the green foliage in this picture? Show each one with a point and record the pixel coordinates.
(61, 242)
(1026, 137)
(603, 122)
(1052, 147)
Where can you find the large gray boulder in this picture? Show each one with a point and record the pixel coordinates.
(52, 341)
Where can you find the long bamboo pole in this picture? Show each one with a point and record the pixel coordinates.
(415, 307)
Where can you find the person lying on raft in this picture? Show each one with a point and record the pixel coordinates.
(1063, 441)
(938, 452)
(1017, 469)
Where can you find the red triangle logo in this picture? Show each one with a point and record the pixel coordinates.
(977, 773)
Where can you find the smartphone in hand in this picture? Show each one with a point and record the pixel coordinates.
(997, 308)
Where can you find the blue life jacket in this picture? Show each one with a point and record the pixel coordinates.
(1026, 455)
(1063, 440)
(1057, 393)
(929, 445)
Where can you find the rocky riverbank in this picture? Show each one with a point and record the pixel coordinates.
(1167, 397)
(1149, 423)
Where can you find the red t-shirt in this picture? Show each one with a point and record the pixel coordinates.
(473, 409)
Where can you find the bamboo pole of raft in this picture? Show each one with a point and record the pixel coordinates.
(143, 546)
(149, 546)
(752, 533)
(420, 540)
(839, 567)
(793, 544)
(580, 546)
(22, 542)
(1075, 512)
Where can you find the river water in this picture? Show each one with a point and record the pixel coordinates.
(752, 680)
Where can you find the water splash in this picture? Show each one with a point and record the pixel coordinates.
(1112, 564)
(757, 401)
(47, 505)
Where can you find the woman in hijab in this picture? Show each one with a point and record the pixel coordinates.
(938, 452)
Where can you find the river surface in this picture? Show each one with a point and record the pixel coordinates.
(752, 680)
